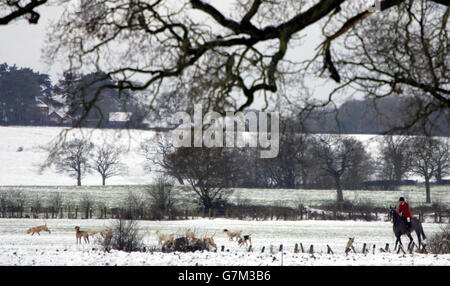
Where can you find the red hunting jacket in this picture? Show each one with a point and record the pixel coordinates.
(404, 210)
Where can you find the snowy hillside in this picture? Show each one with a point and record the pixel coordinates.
(21, 167)
(20, 155)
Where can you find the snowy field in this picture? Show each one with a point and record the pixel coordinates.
(116, 195)
(21, 167)
(59, 248)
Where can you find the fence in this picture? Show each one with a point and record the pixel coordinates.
(234, 211)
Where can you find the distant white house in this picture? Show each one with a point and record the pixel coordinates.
(58, 117)
(119, 118)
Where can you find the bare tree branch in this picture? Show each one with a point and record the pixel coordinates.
(16, 11)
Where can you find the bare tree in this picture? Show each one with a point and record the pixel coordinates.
(157, 152)
(227, 58)
(339, 156)
(207, 170)
(106, 161)
(161, 196)
(395, 157)
(71, 157)
(402, 50)
(294, 164)
(425, 158)
(442, 159)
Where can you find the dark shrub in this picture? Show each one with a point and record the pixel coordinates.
(124, 236)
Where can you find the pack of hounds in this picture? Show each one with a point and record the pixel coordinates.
(168, 240)
(163, 239)
(104, 232)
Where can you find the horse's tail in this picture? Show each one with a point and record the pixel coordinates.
(422, 232)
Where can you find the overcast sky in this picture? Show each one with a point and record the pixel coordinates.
(21, 43)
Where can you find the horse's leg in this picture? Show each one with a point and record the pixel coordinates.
(418, 238)
(397, 241)
(411, 240)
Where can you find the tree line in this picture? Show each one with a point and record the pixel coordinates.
(304, 161)
(28, 97)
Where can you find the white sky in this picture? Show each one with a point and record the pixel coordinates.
(21, 42)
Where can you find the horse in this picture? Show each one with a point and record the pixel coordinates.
(400, 227)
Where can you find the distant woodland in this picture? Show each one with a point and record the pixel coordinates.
(30, 98)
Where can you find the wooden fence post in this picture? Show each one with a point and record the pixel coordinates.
(296, 248)
(329, 250)
(282, 253)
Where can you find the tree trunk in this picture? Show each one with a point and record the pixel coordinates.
(427, 189)
(438, 174)
(103, 180)
(339, 195)
(79, 179)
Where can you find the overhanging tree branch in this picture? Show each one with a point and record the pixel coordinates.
(19, 11)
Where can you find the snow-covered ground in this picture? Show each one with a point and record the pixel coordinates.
(59, 248)
(116, 196)
(21, 155)
(21, 167)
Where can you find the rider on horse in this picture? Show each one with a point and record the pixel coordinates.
(403, 210)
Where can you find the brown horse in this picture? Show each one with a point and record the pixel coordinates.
(400, 227)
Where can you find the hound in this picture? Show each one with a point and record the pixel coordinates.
(190, 235)
(233, 234)
(102, 231)
(209, 241)
(164, 238)
(38, 229)
(244, 240)
(80, 234)
(349, 246)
